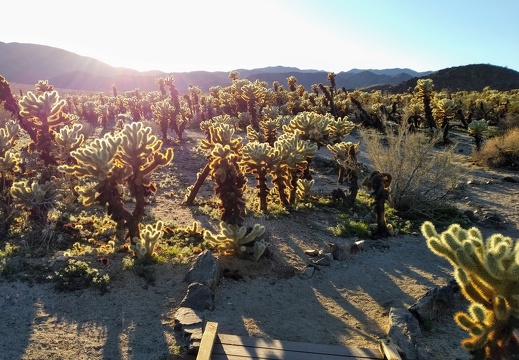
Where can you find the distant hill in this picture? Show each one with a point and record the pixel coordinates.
(29, 63)
(474, 77)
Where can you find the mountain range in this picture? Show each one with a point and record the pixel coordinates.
(29, 63)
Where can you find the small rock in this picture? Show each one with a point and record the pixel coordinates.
(189, 323)
(187, 316)
(329, 256)
(324, 261)
(404, 331)
(309, 272)
(510, 179)
(341, 251)
(199, 297)
(311, 252)
(470, 215)
(205, 270)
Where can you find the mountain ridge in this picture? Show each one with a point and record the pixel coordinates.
(68, 70)
(28, 63)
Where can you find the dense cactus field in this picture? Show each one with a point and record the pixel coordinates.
(103, 178)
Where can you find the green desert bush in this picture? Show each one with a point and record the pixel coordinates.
(77, 275)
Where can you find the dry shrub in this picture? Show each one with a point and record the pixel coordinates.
(500, 151)
(422, 174)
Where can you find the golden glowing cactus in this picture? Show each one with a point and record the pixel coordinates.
(232, 238)
(488, 274)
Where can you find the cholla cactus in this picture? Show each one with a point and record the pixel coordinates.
(43, 113)
(8, 135)
(259, 159)
(476, 129)
(270, 128)
(9, 163)
(312, 126)
(163, 111)
(128, 159)
(294, 155)
(345, 154)
(424, 91)
(230, 183)
(304, 188)
(95, 160)
(488, 274)
(232, 238)
(36, 198)
(217, 134)
(69, 139)
(340, 128)
(379, 184)
(144, 246)
(43, 86)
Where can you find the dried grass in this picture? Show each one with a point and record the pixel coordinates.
(500, 151)
(422, 173)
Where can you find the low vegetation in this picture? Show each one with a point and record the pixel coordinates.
(78, 171)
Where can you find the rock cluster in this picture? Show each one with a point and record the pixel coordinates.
(203, 278)
(404, 324)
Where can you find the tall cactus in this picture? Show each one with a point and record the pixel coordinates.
(128, 159)
(476, 129)
(217, 133)
(294, 154)
(259, 159)
(43, 113)
(230, 183)
(488, 274)
(345, 154)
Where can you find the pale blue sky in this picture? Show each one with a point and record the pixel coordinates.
(223, 35)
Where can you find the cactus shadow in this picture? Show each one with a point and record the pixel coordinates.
(131, 321)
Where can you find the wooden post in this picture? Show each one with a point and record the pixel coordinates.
(389, 350)
(208, 337)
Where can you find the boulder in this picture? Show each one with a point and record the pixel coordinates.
(205, 270)
(199, 297)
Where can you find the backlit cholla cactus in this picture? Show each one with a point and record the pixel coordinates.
(144, 246)
(69, 139)
(217, 134)
(8, 135)
(43, 113)
(294, 154)
(318, 128)
(232, 240)
(488, 273)
(259, 159)
(126, 159)
(304, 189)
(311, 126)
(345, 154)
(424, 90)
(230, 183)
(9, 170)
(476, 129)
(163, 112)
(37, 198)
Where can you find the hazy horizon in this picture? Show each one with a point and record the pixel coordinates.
(225, 35)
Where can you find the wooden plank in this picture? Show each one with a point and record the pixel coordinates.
(207, 343)
(241, 347)
(390, 350)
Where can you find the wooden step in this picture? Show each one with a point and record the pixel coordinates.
(215, 346)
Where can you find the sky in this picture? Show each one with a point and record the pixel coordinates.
(225, 35)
